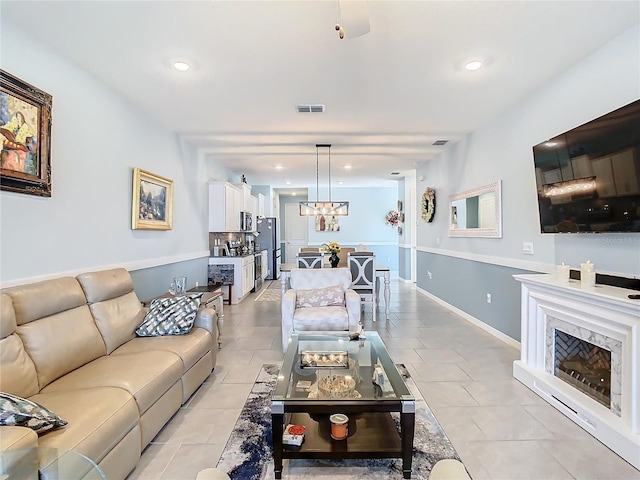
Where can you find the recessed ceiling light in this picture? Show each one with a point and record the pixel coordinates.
(340, 182)
(288, 182)
(473, 65)
(347, 166)
(293, 194)
(278, 167)
(181, 66)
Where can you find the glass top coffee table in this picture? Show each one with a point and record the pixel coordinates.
(323, 375)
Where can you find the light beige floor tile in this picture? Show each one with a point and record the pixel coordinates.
(557, 423)
(457, 423)
(190, 426)
(487, 371)
(504, 392)
(221, 395)
(190, 459)
(508, 422)
(268, 356)
(439, 355)
(242, 374)
(406, 342)
(516, 460)
(589, 459)
(448, 394)
(404, 356)
(440, 372)
(153, 462)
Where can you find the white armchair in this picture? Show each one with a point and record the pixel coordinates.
(315, 314)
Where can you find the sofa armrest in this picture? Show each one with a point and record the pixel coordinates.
(207, 318)
(352, 301)
(288, 307)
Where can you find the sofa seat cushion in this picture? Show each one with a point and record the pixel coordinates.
(190, 348)
(320, 318)
(145, 375)
(98, 419)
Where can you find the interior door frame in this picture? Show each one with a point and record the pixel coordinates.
(292, 246)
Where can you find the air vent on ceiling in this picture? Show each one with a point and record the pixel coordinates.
(440, 142)
(395, 173)
(310, 108)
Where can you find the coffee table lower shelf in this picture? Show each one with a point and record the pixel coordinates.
(371, 435)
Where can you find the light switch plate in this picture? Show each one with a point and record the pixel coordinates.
(527, 248)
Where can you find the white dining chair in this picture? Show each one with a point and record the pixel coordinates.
(310, 260)
(363, 273)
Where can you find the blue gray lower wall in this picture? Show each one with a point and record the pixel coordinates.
(154, 281)
(404, 263)
(465, 284)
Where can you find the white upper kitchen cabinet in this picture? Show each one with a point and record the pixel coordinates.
(225, 202)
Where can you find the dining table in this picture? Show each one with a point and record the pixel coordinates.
(382, 274)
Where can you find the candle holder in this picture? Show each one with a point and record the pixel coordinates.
(339, 426)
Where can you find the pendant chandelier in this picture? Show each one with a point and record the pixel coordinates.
(328, 207)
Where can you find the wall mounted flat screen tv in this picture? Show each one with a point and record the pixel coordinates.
(588, 179)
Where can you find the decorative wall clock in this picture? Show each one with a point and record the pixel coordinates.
(428, 204)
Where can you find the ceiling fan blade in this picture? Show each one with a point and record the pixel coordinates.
(355, 18)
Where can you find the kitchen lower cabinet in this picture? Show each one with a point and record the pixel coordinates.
(243, 276)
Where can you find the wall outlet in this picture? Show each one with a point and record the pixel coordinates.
(196, 284)
(488, 298)
(527, 248)
(438, 241)
(429, 274)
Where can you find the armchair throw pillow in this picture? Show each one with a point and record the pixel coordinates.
(20, 412)
(320, 297)
(170, 316)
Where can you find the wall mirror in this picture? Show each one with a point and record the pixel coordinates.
(476, 212)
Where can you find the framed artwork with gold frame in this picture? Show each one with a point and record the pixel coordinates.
(152, 205)
(25, 134)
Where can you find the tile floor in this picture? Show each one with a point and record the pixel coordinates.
(498, 426)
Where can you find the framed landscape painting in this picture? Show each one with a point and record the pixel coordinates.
(25, 133)
(152, 205)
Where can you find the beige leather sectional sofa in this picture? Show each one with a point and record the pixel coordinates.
(69, 344)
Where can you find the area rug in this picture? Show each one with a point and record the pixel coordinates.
(247, 455)
(269, 295)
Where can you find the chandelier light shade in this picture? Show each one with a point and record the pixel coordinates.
(323, 207)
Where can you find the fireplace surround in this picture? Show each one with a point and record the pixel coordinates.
(581, 353)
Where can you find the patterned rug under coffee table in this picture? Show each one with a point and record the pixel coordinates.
(247, 455)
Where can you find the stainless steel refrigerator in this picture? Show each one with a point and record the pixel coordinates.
(269, 239)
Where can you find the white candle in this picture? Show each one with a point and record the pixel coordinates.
(588, 279)
(562, 272)
(586, 267)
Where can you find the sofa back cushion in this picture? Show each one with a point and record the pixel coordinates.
(18, 371)
(115, 306)
(312, 278)
(55, 326)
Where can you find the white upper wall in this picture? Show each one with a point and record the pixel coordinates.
(502, 150)
(97, 140)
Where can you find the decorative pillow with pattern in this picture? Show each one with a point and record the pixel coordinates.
(320, 297)
(20, 412)
(170, 316)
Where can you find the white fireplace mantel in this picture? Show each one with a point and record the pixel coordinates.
(603, 313)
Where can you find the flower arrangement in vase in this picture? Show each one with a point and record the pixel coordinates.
(334, 249)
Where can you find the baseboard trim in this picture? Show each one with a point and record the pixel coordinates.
(470, 318)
